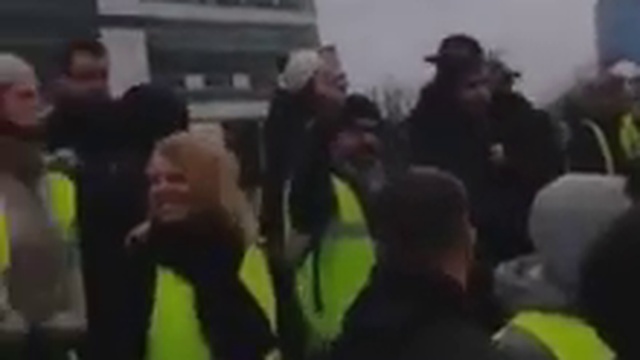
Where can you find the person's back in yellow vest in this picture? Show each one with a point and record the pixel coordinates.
(539, 290)
(332, 275)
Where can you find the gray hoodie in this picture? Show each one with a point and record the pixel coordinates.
(567, 216)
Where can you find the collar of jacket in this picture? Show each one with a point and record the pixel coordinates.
(430, 289)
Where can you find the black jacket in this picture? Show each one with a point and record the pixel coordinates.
(441, 135)
(533, 158)
(405, 317)
(531, 141)
(207, 253)
(112, 141)
(297, 158)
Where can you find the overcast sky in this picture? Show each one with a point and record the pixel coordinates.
(379, 40)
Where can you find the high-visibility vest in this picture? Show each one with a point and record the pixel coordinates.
(59, 193)
(566, 337)
(346, 257)
(629, 136)
(175, 331)
(61, 196)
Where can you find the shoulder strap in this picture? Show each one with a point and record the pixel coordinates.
(568, 338)
(603, 144)
(256, 276)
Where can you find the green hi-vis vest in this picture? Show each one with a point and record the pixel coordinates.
(175, 332)
(629, 135)
(567, 337)
(59, 193)
(346, 256)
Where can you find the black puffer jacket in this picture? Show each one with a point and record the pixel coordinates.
(442, 135)
(406, 317)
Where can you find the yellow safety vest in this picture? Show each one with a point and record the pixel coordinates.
(60, 196)
(346, 257)
(629, 135)
(175, 332)
(567, 337)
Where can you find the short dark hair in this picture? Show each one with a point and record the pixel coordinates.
(89, 46)
(608, 297)
(421, 210)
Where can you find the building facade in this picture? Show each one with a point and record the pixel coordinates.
(39, 30)
(220, 54)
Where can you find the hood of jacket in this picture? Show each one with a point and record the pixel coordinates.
(566, 218)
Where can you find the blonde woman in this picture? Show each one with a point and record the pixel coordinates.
(200, 289)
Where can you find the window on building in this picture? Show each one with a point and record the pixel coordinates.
(288, 4)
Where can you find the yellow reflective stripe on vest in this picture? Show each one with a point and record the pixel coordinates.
(5, 238)
(60, 197)
(256, 276)
(345, 259)
(603, 144)
(349, 209)
(568, 338)
(344, 270)
(630, 137)
(175, 330)
(61, 193)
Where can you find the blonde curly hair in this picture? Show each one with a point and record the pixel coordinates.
(212, 173)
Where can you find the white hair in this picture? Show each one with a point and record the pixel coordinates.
(14, 69)
(301, 67)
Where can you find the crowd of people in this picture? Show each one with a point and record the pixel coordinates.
(481, 227)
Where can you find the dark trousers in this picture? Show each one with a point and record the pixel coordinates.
(38, 345)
